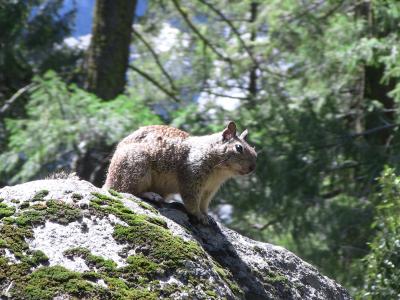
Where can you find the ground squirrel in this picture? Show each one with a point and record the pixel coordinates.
(164, 160)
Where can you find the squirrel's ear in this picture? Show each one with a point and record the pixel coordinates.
(229, 132)
(244, 134)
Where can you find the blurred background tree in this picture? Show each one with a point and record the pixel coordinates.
(315, 82)
(30, 43)
(108, 54)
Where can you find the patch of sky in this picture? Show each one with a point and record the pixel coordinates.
(84, 14)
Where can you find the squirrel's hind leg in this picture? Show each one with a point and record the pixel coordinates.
(129, 174)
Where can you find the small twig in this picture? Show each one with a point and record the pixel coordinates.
(292, 17)
(233, 28)
(268, 224)
(374, 130)
(156, 83)
(198, 33)
(332, 10)
(331, 194)
(8, 103)
(343, 138)
(156, 58)
(225, 96)
(343, 167)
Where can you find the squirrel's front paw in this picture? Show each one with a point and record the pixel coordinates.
(205, 219)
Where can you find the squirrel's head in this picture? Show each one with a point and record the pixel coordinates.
(239, 156)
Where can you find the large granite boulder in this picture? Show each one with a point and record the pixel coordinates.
(66, 239)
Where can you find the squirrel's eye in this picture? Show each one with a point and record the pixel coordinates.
(239, 148)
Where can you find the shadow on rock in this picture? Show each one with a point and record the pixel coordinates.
(215, 243)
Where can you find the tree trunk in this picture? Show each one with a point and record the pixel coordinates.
(252, 89)
(108, 54)
(374, 87)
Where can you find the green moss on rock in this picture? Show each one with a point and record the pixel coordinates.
(115, 193)
(147, 234)
(14, 239)
(102, 200)
(158, 254)
(158, 243)
(147, 207)
(141, 269)
(274, 280)
(228, 278)
(38, 257)
(211, 294)
(24, 205)
(157, 221)
(6, 211)
(275, 277)
(15, 230)
(92, 260)
(103, 197)
(129, 281)
(48, 282)
(39, 196)
(52, 210)
(158, 251)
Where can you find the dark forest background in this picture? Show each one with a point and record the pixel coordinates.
(317, 83)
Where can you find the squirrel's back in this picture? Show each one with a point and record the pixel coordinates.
(154, 133)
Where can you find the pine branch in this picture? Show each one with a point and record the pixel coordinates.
(9, 103)
(156, 83)
(233, 28)
(332, 10)
(156, 58)
(308, 10)
(374, 130)
(224, 95)
(239, 37)
(340, 140)
(270, 223)
(198, 33)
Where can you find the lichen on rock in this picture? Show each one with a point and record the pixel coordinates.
(66, 238)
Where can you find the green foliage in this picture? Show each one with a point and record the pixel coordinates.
(382, 279)
(63, 120)
(32, 34)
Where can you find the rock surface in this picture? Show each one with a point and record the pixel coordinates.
(66, 239)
